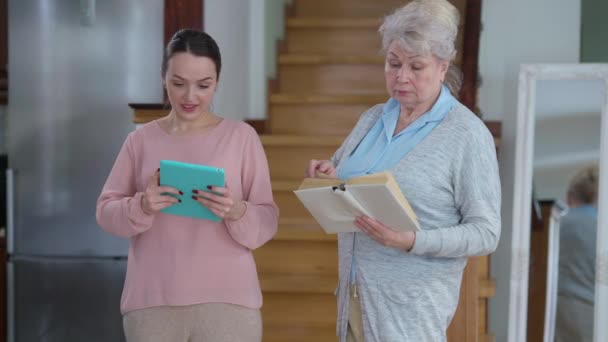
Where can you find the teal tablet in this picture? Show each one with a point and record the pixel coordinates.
(187, 177)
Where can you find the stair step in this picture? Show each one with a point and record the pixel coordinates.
(295, 333)
(346, 8)
(303, 258)
(306, 59)
(298, 314)
(286, 200)
(299, 141)
(332, 23)
(319, 120)
(331, 78)
(318, 114)
(298, 283)
(318, 99)
(301, 229)
(337, 40)
(288, 156)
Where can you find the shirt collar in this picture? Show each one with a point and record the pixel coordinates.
(585, 208)
(445, 102)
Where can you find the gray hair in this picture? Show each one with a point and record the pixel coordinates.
(584, 185)
(426, 27)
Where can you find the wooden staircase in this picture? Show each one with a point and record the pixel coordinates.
(329, 72)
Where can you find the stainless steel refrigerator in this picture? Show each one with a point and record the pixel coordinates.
(74, 65)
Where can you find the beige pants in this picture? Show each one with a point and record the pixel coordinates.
(355, 320)
(209, 322)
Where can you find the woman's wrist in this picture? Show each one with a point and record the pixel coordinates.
(142, 204)
(409, 241)
(237, 211)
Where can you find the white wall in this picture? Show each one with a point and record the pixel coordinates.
(515, 32)
(246, 32)
(266, 27)
(257, 64)
(228, 23)
(275, 30)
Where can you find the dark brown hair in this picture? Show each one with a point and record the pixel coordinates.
(195, 42)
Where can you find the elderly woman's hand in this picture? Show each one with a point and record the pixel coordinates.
(385, 235)
(320, 168)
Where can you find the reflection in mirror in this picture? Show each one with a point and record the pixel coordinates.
(576, 279)
(566, 155)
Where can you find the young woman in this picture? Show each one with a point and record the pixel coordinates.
(190, 279)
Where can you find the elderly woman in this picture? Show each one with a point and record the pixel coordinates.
(577, 247)
(404, 286)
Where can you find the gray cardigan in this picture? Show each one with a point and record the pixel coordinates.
(451, 180)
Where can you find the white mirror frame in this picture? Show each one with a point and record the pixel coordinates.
(524, 150)
(557, 211)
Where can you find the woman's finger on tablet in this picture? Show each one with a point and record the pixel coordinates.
(218, 190)
(168, 189)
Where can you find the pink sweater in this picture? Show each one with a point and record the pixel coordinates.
(176, 260)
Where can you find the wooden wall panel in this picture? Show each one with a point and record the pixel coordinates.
(182, 14)
(470, 51)
(537, 290)
(3, 52)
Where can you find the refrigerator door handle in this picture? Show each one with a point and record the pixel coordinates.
(10, 210)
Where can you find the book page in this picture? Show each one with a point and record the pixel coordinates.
(382, 205)
(332, 211)
(350, 204)
(387, 179)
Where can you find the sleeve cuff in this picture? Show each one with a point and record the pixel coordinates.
(424, 242)
(139, 216)
(236, 224)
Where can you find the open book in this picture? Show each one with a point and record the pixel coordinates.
(335, 204)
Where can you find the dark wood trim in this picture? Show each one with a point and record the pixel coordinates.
(259, 125)
(3, 291)
(537, 272)
(182, 14)
(470, 54)
(146, 112)
(3, 52)
(3, 101)
(495, 128)
(149, 106)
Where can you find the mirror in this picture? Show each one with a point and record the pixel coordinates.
(562, 249)
(562, 126)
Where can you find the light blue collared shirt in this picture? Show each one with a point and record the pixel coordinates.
(380, 150)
